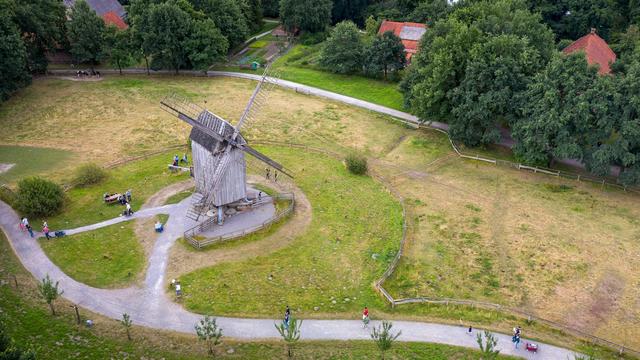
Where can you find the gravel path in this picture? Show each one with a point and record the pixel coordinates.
(150, 306)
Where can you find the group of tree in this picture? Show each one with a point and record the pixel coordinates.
(28, 29)
(347, 51)
(493, 64)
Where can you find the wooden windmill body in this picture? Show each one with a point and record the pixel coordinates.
(218, 152)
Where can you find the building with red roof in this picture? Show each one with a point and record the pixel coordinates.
(409, 32)
(596, 50)
(109, 10)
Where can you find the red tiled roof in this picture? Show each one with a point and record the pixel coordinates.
(113, 18)
(410, 45)
(596, 49)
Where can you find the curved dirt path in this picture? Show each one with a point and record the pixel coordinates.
(149, 305)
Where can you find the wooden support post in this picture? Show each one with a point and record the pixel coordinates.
(15, 280)
(75, 307)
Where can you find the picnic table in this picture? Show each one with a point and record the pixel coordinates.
(112, 198)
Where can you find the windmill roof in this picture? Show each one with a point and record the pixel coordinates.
(596, 50)
(409, 32)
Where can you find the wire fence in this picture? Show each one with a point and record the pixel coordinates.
(191, 235)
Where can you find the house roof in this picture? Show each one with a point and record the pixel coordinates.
(409, 32)
(596, 50)
(109, 10)
(113, 18)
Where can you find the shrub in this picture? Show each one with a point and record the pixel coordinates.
(356, 164)
(39, 197)
(89, 174)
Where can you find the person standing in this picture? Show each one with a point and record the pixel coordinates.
(175, 160)
(287, 315)
(470, 330)
(45, 230)
(365, 317)
(22, 227)
(128, 211)
(128, 195)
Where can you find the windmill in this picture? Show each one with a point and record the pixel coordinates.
(218, 151)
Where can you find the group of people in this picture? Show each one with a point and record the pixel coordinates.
(365, 317)
(268, 174)
(81, 73)
(177, 161)
(25, 226)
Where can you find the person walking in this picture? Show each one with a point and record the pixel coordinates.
(470, 330)
(25, 222)
(287, 316)
(516, 340)
(365, 317)
(29, 229)
(268, 173)
(22, 227)
(128, 195)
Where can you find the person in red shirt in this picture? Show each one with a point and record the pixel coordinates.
(365, 317)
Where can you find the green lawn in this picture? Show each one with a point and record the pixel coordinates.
(30, 161)
(297, 66)
(103, 258)
(144, 177)
(331, 266)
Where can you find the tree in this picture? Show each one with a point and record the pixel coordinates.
(252, 11)
(209, 332)
(165, 30)
(228, 17)
(349, 10)
(574, 18)
(49, 292)
(561, 108)
(290, 333)
(371, 26)
(343, 50)
(119, 47)
(305, 15)
(13, 58)
(430, 11)
(86, 34)
(39, 197)
(438, 88)
(497, 71)
(126, 322)
(271, 8)
(42, 25)
(386, 53)
(206, 45)
(488, 345)
(383, 337)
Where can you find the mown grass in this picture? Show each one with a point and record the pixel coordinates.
(27, 320)
(297, 66)
(30, 161)
(104, 258)
(144, 177)
(331, 266)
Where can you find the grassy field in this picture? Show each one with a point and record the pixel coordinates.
(539, 243)
(28, 321)
(31, 161)
(353, 235)
(297, 65)
(104, 258)
(561, 249)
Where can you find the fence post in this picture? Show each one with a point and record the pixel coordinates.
(578, 177)
(15, 280)
(602, 187)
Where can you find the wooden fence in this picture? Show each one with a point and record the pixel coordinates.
(191, 235)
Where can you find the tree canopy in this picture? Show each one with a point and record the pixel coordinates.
(13, 58)
(386, 53)
(86, 34)
(478, 58)
(227, 15)
(305, 15)
(343, 50)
